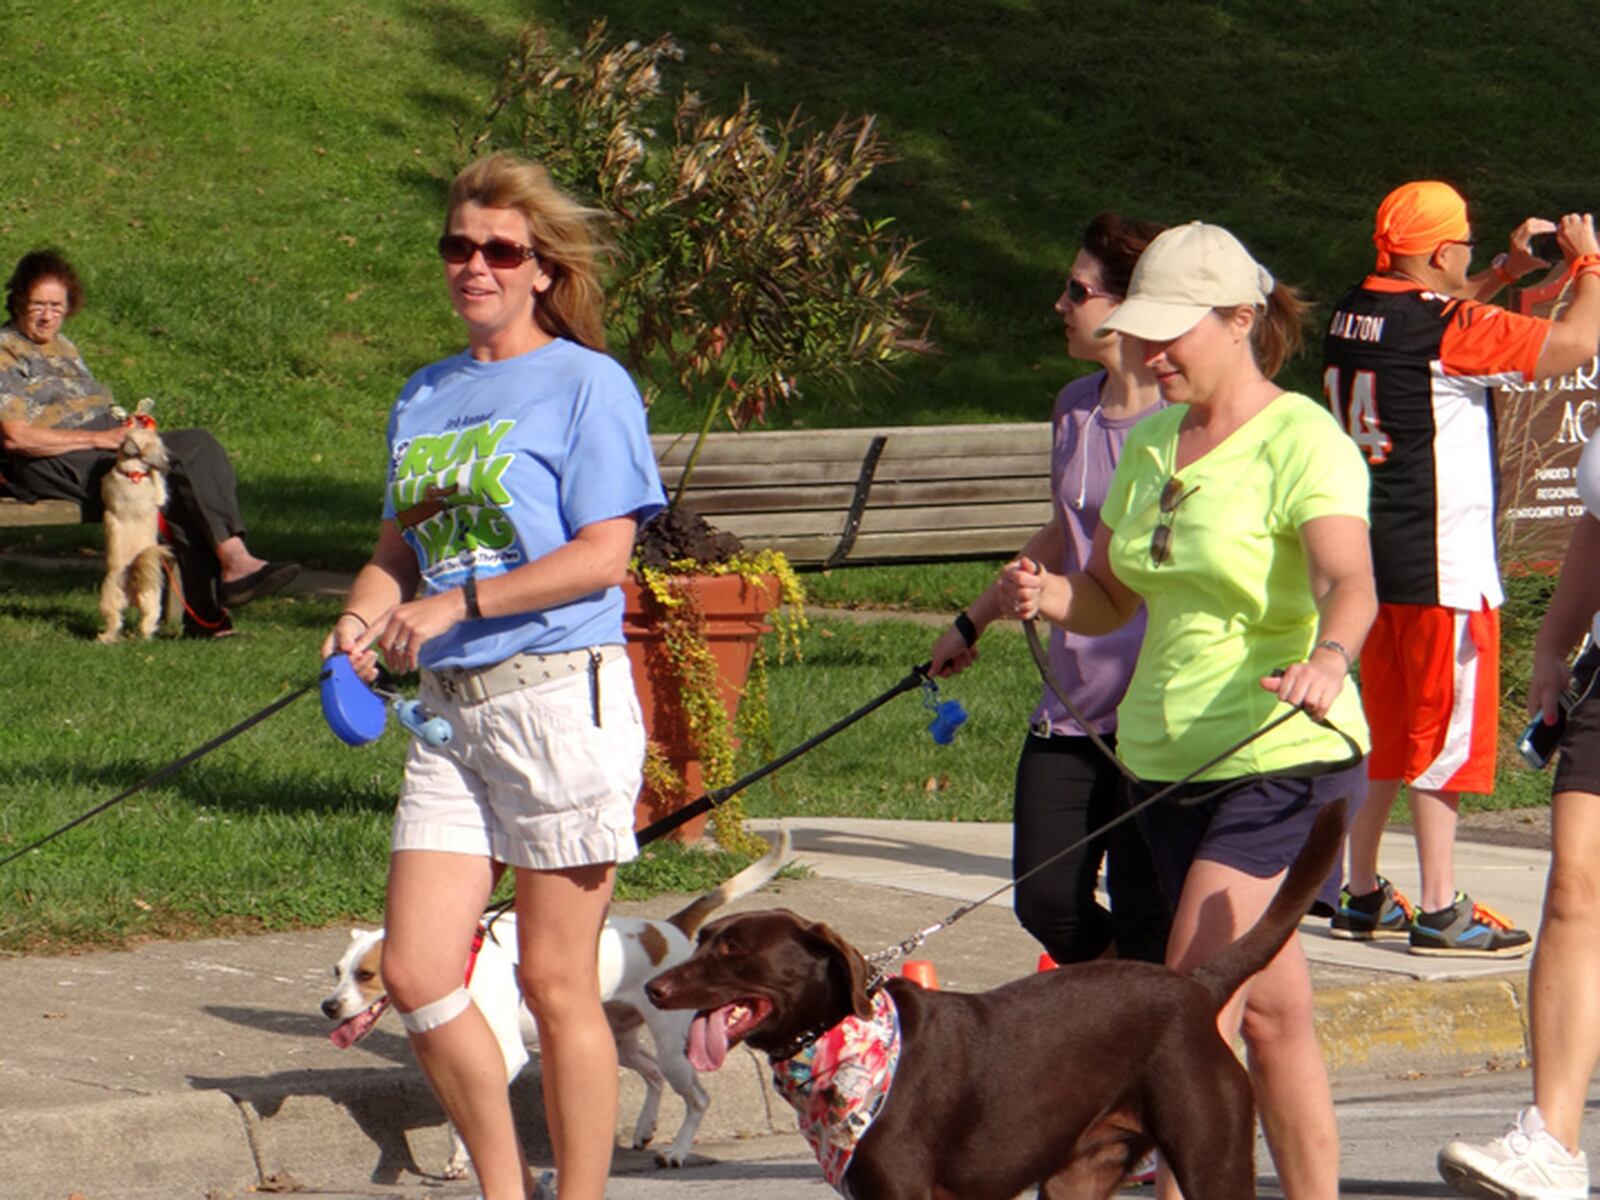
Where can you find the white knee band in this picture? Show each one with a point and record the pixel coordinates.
(441, 1012)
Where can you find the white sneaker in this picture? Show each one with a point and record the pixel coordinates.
(1525, 1163)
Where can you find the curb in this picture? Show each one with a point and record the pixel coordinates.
(319, 1129)
(139, 1147)
(1438, 1027)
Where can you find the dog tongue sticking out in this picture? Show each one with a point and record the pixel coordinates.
(351, 1030)
(708, 1038)
(713, 1031)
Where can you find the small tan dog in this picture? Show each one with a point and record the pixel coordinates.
(135, 492)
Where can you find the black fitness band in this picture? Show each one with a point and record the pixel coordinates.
(965, 627)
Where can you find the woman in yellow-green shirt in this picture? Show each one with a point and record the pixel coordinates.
(1239, 518)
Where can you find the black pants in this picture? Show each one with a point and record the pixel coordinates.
(1066, 789)
(202, 508)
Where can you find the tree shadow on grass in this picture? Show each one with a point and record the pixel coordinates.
(217, 784)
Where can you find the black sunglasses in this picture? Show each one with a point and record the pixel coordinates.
(497, 252)
(1172, 495)
(1078, 292)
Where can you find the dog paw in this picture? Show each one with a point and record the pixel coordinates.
(665, 1159)
(108, 638)
(454, 1170)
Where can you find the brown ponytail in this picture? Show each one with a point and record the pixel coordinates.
(1279, 333)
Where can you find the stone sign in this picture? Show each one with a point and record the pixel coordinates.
(1542, 430)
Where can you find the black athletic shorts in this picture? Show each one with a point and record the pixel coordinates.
(1578, 764)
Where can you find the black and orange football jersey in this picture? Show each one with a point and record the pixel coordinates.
(1411, 375)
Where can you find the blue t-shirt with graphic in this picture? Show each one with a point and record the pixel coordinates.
(496, 464)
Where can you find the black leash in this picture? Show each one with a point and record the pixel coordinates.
(880, 959)
(175, 765)
(915, 678)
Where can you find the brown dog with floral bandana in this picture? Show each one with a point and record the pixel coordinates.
(1063, 1079)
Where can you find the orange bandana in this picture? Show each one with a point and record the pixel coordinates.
(1416, 217)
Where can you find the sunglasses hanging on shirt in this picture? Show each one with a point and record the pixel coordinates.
(1172, 495)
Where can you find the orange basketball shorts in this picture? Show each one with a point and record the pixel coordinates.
(1430, 685)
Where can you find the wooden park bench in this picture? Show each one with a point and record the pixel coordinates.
(831, 497)
(45, 512)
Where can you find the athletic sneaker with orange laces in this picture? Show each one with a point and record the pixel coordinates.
(1382, 913)
(1467, 930)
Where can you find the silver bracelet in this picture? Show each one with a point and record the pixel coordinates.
(1338, 648)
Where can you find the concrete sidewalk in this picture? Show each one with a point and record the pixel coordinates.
(203, 1069)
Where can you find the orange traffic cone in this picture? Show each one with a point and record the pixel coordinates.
(920, 971)
(1046, 963)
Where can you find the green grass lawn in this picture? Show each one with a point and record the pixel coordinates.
(283, 826)
(251, 192)
(287, 826)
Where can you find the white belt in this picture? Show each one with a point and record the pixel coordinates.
(474, 685)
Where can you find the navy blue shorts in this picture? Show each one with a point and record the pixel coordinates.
(1255, 825)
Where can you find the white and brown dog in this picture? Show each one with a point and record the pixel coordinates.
(632, 951)
(135, 492)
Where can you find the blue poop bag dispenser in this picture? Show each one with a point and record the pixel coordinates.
(948, 715)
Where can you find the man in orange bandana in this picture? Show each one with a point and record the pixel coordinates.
(1418, 218)
(1413, 355)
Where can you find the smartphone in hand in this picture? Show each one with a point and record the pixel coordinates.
(1538, 741)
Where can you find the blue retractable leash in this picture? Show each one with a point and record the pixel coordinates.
(357, 713)
(948, 717)
(879, 960)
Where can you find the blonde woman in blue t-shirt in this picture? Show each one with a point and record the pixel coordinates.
(519, 471)
(1238, 518)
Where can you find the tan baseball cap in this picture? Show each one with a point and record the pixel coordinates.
(1182, 275)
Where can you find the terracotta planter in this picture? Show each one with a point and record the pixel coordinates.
(735, 619)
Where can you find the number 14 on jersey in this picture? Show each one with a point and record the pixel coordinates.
(1357, 411)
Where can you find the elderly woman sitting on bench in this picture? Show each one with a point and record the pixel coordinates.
(60, 436)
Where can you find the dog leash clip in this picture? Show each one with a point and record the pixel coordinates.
(879, 960)
(948, 715)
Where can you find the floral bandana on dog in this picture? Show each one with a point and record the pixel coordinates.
(837, 1085)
